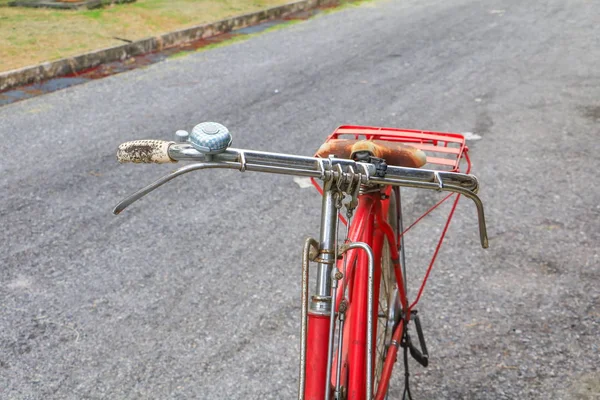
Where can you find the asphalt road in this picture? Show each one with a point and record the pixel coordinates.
(193, 293)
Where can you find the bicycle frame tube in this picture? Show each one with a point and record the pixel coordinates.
(364, 229)
(316, 356)
(317, 385)
(357, 335)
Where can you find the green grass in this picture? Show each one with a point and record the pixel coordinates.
(30, 36)
(94, 14)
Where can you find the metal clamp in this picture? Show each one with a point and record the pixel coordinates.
(322, 168)
(438, 179)
(243, 162)
(366, 171)
(322, 260)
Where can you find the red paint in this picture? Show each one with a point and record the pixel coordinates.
(355, 231)
(370, 226)
(377, 246)
(316, 356)
(357, 339)
(389, 233)
(389, 363)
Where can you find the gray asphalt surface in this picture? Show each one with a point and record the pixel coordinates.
(193, 293)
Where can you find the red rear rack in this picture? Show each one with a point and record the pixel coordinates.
(444, 151)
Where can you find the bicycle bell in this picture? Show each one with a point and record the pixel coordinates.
(210, 138)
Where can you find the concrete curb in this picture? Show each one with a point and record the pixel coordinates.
(72, 65)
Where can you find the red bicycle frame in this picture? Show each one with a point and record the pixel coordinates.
(368, 230)
(370, 226)
(345, 291)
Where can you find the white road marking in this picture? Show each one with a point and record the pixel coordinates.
(471, 136)
(303, 182)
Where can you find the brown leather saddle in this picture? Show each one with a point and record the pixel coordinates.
(393, 153)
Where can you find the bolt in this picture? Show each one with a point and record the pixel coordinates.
(343, 307)
(181, 136)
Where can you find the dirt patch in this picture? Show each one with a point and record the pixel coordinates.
(586, 387)
(591, 112)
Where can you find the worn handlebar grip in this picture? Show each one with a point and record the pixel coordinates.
(145, 151)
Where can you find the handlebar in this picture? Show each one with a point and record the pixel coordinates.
(338, 169)
(145, 151)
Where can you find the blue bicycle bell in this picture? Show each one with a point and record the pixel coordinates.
(210, 138)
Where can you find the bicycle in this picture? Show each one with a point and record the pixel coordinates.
(344, 354)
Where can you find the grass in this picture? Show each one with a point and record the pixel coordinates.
(30, 36)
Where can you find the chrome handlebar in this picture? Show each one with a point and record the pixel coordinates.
(337, 169)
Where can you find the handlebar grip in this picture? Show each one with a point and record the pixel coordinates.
(145, 151)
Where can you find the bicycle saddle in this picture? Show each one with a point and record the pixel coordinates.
(393, 153)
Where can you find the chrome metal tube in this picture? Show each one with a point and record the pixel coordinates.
(400, 230)
(339, 355)
(447, 188)
(369, 251)
(247, 160)
(310, 242)
(327, 248)
(185, 152)
(331, 334)
(123, 204)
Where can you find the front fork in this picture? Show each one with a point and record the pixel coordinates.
(320, 313)
(318, 318)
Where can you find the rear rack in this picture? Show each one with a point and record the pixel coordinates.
(444, 151)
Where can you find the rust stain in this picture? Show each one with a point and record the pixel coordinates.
(33, 91)
(302, 15)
